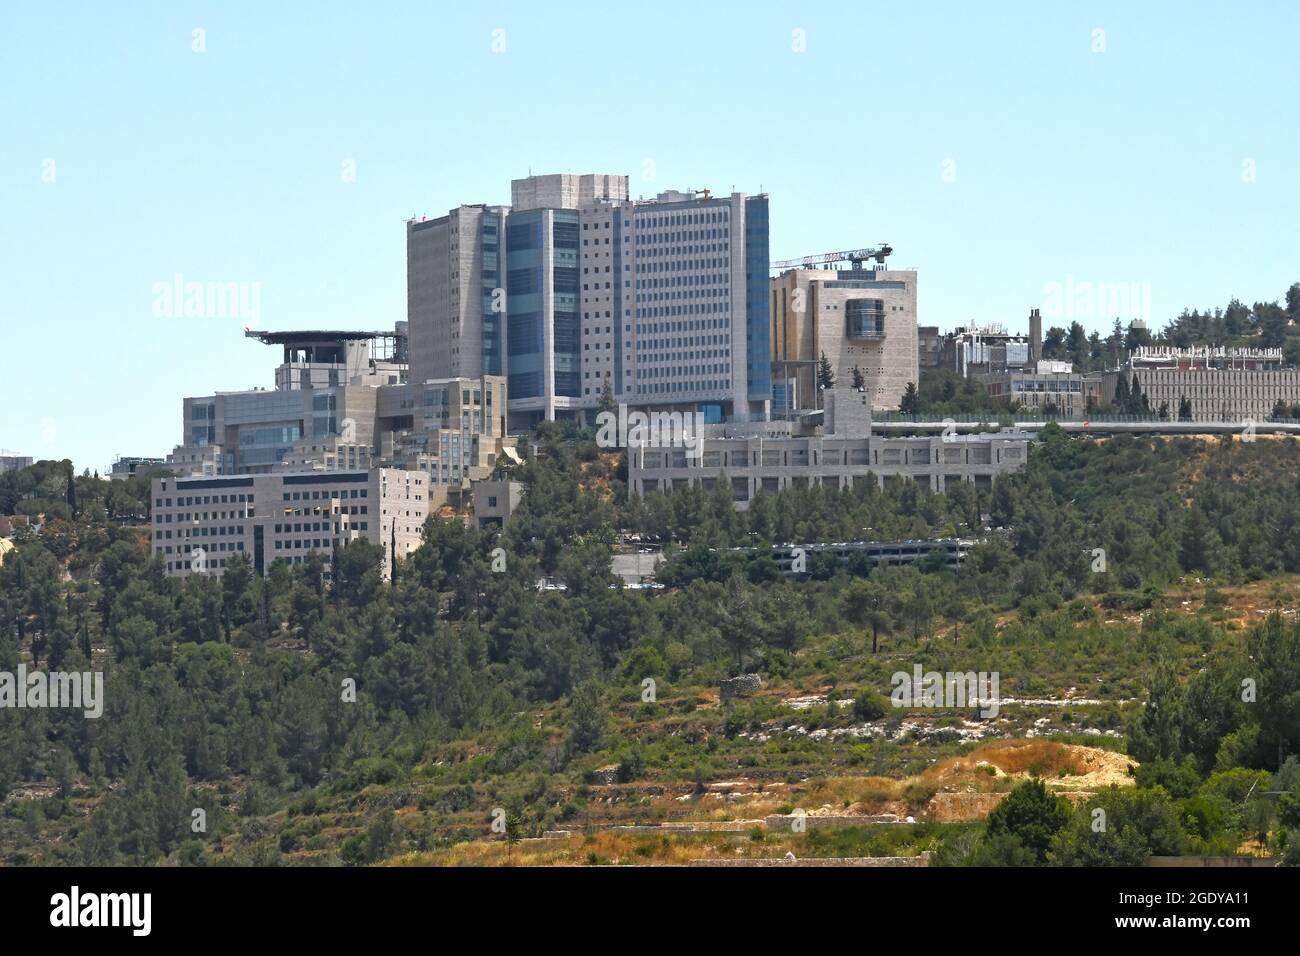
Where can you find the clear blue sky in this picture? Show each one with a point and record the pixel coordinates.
(227, 166)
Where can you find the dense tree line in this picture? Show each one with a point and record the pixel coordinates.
(291, 683)
(52, 488)
(1172, 811)
(942, 391)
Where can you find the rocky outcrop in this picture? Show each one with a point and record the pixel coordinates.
(746, 685)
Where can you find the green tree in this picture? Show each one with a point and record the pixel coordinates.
(588, 717)
(73, 507)
(606, 402)
(1274, 649)
(738, 620)
(825, 373)
(585, 566)
(871, 605)
(1132, 826)
(1158, 733)
(236, 583)
(869, 705)
(1032, 815)
(358, 574)
(911, 401)
(1122, 396)
(1195, 545)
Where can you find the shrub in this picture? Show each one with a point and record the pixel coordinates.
(869, 705)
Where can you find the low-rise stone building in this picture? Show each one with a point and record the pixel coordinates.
(199, 524)
(768, 457)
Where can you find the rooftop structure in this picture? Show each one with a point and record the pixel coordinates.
(991, 350)
(565, 191)
(330, 384)
(1205, 357)
(129, 466)
(323, 359)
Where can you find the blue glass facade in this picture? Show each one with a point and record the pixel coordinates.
(528, 275)
(493, 322)
(756, 308)
(524, 304)
(782, 398)
(567, 345)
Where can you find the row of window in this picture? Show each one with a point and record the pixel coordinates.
(331, 509)
(687, 235)
(203, 532)
(207, 565)
(184, 517)
(310, 544)
(711, 385)
(326, 495)
(191, 500)
(218, 546)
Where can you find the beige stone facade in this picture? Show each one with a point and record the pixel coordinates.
(859, 318)
(769, 457)
(1216, 394)
(199, 524)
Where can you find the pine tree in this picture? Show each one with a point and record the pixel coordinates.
(1138, 404)
(606, 403)
(825, 374)
(911, 402)
(72, 492)
(1121, 394)
(1194, 543)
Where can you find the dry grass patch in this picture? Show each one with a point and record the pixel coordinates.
(1065, 766)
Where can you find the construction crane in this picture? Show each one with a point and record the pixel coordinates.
(855, 256)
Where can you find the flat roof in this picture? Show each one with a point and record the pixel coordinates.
(314, 335)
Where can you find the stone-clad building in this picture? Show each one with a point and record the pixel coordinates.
(199, 524)
(767, 457)
(1222, 385)
(863, 318)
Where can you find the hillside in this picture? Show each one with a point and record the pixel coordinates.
(459, 716)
